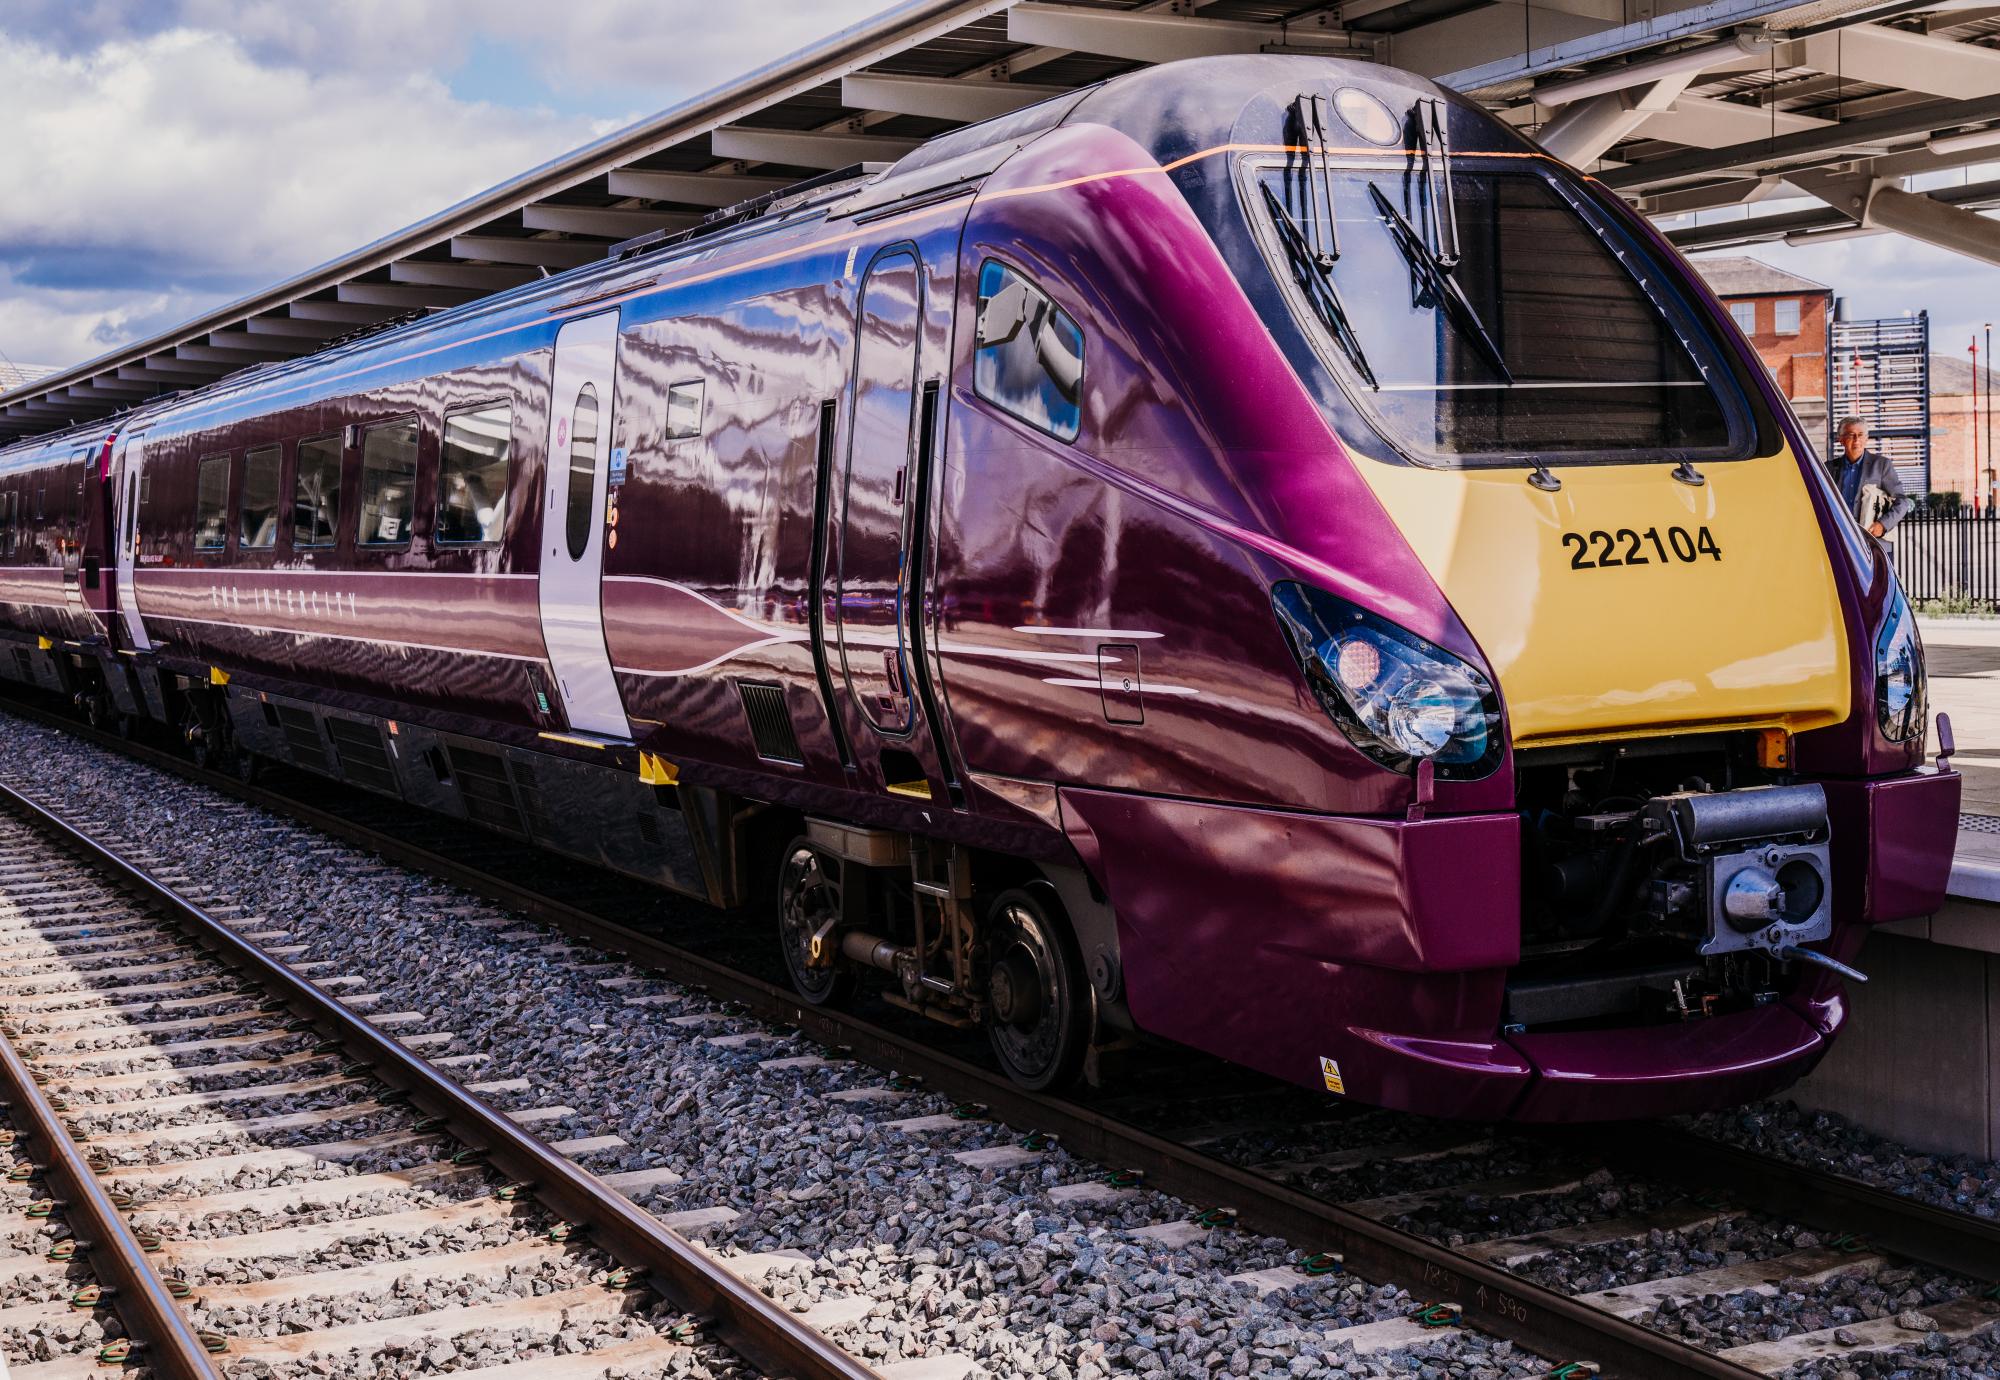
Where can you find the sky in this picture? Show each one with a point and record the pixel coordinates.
(1890, 275)
(166, 156)
(163, 157)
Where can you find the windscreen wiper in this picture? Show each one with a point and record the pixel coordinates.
(1314, 280)
(1318, 179)
(1440, 200)
(1441, 285)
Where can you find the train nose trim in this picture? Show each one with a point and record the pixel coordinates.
(1653, 1071)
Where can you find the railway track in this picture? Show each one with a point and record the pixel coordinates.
(200, 1115)
(1681, 1184)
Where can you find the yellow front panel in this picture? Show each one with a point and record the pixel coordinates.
(1639, 647)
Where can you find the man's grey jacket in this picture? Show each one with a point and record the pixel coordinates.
(1877, 470)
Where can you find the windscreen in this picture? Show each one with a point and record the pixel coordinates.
(1490, 325)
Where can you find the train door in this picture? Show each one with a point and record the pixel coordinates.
(872, 512)
(70, 486)
(132, 487)
(572, 577)
(871, 493)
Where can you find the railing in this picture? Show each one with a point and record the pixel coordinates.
(1954, 558)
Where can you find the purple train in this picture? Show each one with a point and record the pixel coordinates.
(1252, 554)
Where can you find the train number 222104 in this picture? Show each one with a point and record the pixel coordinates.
(1603, 550)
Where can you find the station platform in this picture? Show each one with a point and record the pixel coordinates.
(1920, 1061)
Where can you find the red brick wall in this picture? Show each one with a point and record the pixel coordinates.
(1955, 432)
(1796, 360)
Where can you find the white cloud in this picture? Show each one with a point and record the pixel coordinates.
(675, 47)
(179, 153)
(175, 165)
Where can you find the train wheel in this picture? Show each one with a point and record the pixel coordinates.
(249, 766)
(1040, 1024)
(808, 904)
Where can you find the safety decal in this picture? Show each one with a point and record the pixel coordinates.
(1329, 1069)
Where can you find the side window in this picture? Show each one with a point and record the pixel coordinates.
(582, 472)
(1028, 361)
(316, 493)
(388, 483)
(684, 410)
(472, 475)
(7, 523)
(211, 504)
(1745, 316)
(257, 513)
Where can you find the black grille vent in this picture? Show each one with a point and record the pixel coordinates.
(302, 737)
(364, 760)
(770, 723)
(483, 785)
(24, 664)
(528, 794)
(649, 828)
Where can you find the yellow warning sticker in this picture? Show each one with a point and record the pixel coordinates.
(1329, 1069)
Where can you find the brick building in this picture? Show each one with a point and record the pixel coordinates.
(1962, 428)
(1784, 316)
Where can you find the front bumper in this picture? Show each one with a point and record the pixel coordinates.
(1372, 954)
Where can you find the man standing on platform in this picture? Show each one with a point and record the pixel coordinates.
(1867, 481)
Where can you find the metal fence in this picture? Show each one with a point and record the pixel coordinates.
(1954, 557)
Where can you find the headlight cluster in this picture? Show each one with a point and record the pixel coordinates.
(1899, 674)
(1396, 696)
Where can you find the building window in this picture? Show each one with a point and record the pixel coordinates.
(1745, 316)
(1786, 313)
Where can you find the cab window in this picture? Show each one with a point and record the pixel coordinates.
(1028, 361)
(388, 483)
(211, 504)
(472, 476)
(257, 513)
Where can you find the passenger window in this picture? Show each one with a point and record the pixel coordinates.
(316, 493)
(257, 513)
(211, 504)
(7, 542)
(684, 410)
(582, 471)
(1029, 358)
(388, 483)
(472, 476)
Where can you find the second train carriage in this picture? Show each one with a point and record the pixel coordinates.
(1252, 552)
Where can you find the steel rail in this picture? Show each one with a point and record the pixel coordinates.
(1892, 1221)
(1492, 1298)
(762, 1331)
(162, 1338)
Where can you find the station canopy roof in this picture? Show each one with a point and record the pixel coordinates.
(1831, 117)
